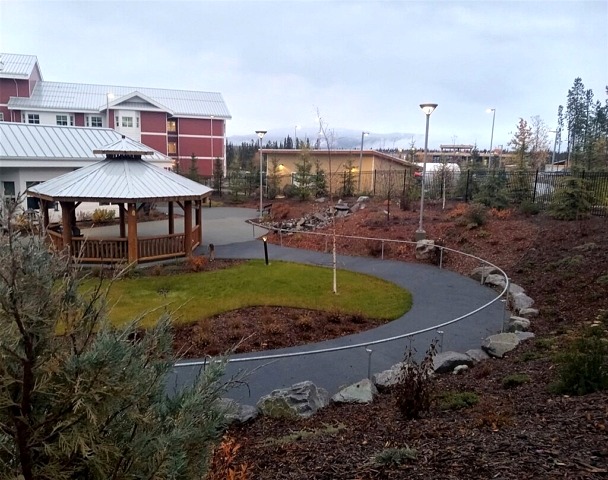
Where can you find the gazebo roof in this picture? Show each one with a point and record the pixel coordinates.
(122, 177)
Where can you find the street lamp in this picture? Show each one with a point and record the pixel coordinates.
(361, 159)
(493, 110)
(427, 108)
(554, 147)
(295, 137)
(260, 134)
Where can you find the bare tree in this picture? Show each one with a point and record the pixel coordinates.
(539, 146)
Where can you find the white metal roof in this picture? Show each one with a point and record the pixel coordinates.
(16, 66)
(124, 146)
(20, 141)
(120, 180)
(78, 97)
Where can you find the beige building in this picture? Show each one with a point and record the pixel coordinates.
(368, 171)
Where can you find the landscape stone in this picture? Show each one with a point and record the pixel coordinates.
(500, 344)
(235, 412)
(528, 312)
(477, 354)
(363, 199)
(445, 362)
(523, 336)
(360, 392)
(460, 369)
(518, 324)
(425, 249)
(480, 272)
(355, 207)
(521, 301)
(301, 399)
(387, 378)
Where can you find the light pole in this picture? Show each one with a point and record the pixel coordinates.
(295, 137)
(361, 159)
(427, 108)
(554, 147)
(260, 134)
(493, 110)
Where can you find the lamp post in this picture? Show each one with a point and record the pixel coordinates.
(554, 147)
(295, 137)
(260, 134)
(427, 108)
(361, 159)
(493, 110)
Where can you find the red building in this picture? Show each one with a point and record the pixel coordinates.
(186, 125)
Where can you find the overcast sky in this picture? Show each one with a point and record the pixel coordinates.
(364, 65)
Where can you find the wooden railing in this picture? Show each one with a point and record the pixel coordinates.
(157, 248)
(100, 249)
(115, 249)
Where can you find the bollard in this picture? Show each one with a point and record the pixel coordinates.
(369, 362)
(440, 257)
(440, 333)
(382, 257)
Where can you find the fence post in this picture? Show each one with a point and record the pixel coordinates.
(535, 185)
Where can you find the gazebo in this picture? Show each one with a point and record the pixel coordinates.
(123, 178)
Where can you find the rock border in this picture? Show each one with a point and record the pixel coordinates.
(303, 399)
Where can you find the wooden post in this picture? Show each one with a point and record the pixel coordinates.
(188, 227)
(199, 220)
(44, 206)
(66, 224)
(132, 233)
(121, 214)
(171, 219)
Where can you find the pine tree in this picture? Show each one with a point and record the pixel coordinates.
(80, 399)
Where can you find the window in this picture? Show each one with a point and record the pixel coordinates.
(33, 118)
(171, 126)
(61, 119)
(172, 148)
(117, 121)
(8, 189)
(127, 122)
(137, 122)
(33, 203)
(94, 121)
(1, 116)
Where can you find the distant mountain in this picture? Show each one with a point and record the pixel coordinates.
(343, 139)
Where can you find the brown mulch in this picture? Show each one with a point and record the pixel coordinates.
(525, 432)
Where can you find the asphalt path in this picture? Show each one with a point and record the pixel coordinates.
(438, 296)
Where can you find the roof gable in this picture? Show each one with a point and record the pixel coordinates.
(17, 66)
(136, 101)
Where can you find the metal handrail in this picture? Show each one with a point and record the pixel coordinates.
(504, 292)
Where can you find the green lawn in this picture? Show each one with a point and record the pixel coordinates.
(194, 296)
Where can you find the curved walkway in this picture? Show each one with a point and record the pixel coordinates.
(438, 296)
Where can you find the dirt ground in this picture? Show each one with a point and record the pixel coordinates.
(525, 432)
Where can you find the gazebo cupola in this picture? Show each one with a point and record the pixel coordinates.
(125, 179)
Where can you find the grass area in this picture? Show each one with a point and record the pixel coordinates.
(194, 296)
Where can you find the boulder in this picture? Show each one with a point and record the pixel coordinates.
(523, 336)
(515, 289)
(425, 249)
(496, 280)
(477, 355)
(445, 362)
(355, 207)
(363, 199)
(360, 392)
(321, 200)
(500, 344)
(528, 312)
(480, 272)
(387, 378)
(521, 301)
(518, 324)
(301, 399)
(235, 412)
(460, 369)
